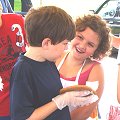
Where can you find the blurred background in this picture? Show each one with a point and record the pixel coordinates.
(73, 7)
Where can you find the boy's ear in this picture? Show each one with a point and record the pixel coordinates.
(46, 43)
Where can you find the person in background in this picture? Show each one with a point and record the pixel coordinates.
(6, 6)
(12, 3)
(25, 5)
(35, 82)
(12, 42)
(115, 41)
(118, 79)
(117, 12)
(81, 63)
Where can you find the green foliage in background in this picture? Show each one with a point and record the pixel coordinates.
(17, 5)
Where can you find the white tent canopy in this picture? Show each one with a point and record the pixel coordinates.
(73, 7)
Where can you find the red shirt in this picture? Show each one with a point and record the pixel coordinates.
(12, 42)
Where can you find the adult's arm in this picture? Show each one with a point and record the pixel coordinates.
(118, 84)
(118, 79)
(115, 41)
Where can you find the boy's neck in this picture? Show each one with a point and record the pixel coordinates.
(34, 54)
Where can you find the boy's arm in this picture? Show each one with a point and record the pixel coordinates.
(41, 112)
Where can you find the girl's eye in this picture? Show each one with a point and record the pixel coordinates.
(90, 44)
(79, 37)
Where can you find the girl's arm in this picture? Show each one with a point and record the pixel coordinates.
(83, 113)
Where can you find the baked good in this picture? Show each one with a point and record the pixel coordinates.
(77, 88)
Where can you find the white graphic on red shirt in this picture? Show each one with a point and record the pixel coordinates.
(1, 84)
(20, 38)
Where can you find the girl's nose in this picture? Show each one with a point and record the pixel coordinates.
(83, 45)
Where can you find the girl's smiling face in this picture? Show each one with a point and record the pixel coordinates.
(85, 43)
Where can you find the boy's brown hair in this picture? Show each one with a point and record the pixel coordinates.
(48, 22)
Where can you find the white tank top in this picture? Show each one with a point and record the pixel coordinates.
(66, 83)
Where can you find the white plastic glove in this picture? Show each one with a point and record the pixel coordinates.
(74, 99)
